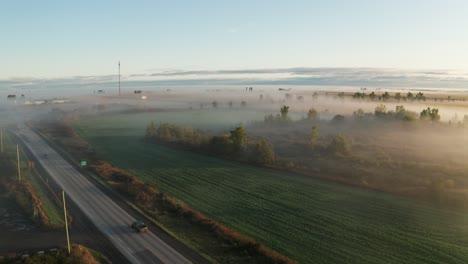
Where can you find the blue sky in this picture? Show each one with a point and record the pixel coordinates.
(56, 39)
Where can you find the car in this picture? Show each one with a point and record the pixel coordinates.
(139, 226)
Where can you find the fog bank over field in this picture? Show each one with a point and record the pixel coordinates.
(352, 77)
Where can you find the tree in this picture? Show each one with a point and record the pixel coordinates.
(386, 96)
(420, 96)
(380, 110)
(338, 118)
(400, 109)
(340, 145)
(359, 114)
(221, 145)
(410, 96)
(359, 95)
(215, 104)
(263, 152)
(314, 135)
(238, 136)
(269, 118)
(398, 96)
(372, 96)
(164, 132)
(284, 112)
(430, 114)
(150, 131)
(312, 114)
(243, 103)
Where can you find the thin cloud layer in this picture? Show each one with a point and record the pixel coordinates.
(371, 77)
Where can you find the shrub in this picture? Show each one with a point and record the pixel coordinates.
(359, 114)
(430, 114)
(263, 152)
(312, 114)
(380, 110)
(338, 118)
(398, 96)
(340, 145)
(386, 96)
(314, 135)
(410, 116)
(221, 145)
(238, 136)
(284, 112)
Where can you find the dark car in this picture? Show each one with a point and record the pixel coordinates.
(139, 226)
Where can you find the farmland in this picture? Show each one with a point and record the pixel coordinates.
(304, 218)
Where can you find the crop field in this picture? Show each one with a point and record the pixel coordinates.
(306, 219)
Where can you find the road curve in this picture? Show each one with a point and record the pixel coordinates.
(111, 219)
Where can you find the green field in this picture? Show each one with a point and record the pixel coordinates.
(304, 218)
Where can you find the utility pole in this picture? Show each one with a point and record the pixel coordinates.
(19, 168)
(1, 138)
(119, 78)
(66, 221)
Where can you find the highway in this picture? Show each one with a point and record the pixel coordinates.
(111, 219)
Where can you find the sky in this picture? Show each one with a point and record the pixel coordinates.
(59, 39)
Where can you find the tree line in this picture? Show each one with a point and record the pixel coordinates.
(234, 145)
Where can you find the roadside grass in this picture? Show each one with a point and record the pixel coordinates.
(306, 219)
(50, 206)
(78, 254)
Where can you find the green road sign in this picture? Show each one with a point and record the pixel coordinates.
(83, 163)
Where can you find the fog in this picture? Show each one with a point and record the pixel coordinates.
(415, 158)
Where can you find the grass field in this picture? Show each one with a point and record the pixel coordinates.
(206, 119)
(304, 218)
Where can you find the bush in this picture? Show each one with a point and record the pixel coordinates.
(340, 145)
(238, 136)
(359, 95)
(410, 116)
(338, 118)
(380, 110)
(386, 96)
(284, 112)
(430, 114)
(27, 199)
(312, 114)
(263, 152)
(221, 145)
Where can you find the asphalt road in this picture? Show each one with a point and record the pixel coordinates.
(108, 217)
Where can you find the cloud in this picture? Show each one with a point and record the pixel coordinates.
(371, 77)
(219, 72)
